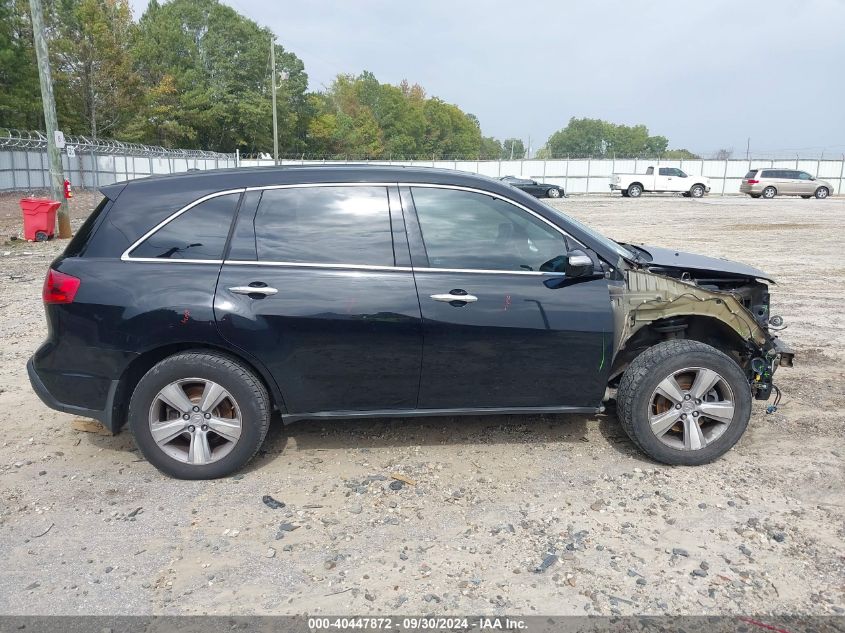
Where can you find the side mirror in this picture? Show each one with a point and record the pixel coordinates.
(578, 264)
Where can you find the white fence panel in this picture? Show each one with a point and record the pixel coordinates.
(22, 169)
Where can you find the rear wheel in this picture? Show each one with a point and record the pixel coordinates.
(770, 192)
(806, 197)
(683, 402)
(822, 192)
(199, 415)
(754, 195)
(553, 193)
(635, 190)
(697, 191)
(625, 193)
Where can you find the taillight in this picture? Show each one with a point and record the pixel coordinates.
(752, 182)
(59, 287)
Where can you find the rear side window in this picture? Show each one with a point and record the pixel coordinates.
(198, 233)
(76, 247)
(325, 225)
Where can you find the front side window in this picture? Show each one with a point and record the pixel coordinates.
(325, 225)
(803, 175)
(474, 231)
(198, 233)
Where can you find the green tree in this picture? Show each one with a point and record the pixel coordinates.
(206, 68)
(683, 154)
(357, 116)
(89, 48)
(513, 148)
(597, 138)
(491, 148)
(20, 94)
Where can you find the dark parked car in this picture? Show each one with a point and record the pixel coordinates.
(536, 189)
(193, 307)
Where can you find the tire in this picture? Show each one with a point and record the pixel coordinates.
(625, 193)
(822, 193)
(697, 191)
(553, 193)
(41, 236)
(635, 190)
(245, 411)
(683, 360)
(806, 197)
(754, 195)
(769, 193)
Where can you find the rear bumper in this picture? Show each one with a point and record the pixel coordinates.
(104, 415)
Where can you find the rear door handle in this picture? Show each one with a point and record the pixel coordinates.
(252, 290)
(449, 298)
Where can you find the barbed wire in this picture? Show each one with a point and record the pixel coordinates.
(28, 139)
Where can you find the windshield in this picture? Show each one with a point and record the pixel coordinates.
(598, 237)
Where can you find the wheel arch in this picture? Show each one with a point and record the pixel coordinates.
(146, 360)
(706, 329)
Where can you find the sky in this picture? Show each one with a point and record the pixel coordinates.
(707, 75)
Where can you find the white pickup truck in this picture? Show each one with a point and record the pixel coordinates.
(665, 179)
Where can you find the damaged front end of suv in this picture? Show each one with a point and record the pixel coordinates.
(667, 295)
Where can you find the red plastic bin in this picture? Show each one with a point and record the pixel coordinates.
(39, 218)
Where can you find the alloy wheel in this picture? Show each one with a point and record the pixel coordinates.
(195, 421)
(691, 408)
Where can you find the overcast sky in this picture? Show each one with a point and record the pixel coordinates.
(706, 74)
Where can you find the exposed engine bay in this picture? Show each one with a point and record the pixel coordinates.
(722, 303)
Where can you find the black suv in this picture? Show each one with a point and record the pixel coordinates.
(195, 306)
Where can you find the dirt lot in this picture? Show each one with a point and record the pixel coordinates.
(87, 527)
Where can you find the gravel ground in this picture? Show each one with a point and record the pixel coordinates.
(520, 515)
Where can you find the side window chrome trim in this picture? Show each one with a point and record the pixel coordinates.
(246, 262)
(127, 258)
(240, 262)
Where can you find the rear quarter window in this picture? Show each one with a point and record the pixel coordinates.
(77, 245)
(751, 174)
(197, 233)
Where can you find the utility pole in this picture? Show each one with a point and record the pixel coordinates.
(273, 91)
(57, 176)
(748, 149)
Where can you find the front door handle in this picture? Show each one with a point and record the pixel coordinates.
(253, 290)
(450, 297)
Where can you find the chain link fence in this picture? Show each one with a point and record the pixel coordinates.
(91, 163)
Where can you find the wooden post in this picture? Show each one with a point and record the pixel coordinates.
(57, 176)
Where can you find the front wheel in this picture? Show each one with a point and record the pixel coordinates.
(553, 193)
(199, 415)
(683, 402)
(821, 193)
(697, 191)
(635, 191)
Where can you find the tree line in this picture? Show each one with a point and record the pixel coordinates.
(195, 74)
